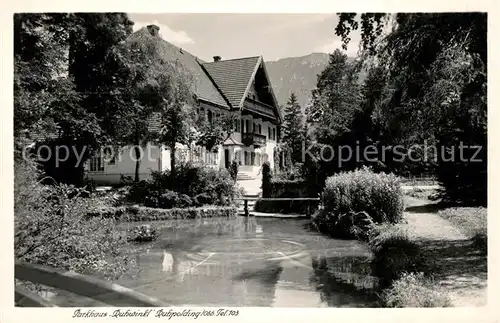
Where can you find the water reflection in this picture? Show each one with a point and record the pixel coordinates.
(344, 282)
(252, 262)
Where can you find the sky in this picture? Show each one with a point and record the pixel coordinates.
(273, 36)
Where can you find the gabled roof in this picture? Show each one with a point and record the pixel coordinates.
(231, 141)
(204, 88)
(233, 77)
(224, 83)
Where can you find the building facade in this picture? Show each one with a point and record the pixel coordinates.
(237, 87)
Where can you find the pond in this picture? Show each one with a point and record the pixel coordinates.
(249, 261)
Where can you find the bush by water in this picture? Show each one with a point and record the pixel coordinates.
(353, 201)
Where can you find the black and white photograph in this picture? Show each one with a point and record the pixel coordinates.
(197, 164)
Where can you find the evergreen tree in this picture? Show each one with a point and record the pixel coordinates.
(292, 128)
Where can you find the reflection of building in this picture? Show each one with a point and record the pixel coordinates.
(221, 280)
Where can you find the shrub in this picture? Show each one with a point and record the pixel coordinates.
(414, 290)
(286, 207)
(289, 188)
(352, 225)
(285, 188)
(143, 233)
(171, 199)
(203, 199)
(152, 201)
(193, 181)
(377, 194)
(266, 179)
(137, 213)
(52, 228)
(233, 170)
(106, 212)
(394, 253)
(139, 191)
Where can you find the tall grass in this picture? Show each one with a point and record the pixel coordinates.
(394, 254)
(414, 290)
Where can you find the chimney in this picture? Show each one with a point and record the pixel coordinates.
(153, 30)
(217, 58)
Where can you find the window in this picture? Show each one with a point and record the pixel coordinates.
(210, 116)
(254, 127)
(260, 129)
(269, 132)
(208, 157)
(242, 122)
(97, 164)
(247, 126)
(252, 158)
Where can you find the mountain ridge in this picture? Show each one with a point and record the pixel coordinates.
(296, 74)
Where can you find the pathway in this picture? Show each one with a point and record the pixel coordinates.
(461, 269)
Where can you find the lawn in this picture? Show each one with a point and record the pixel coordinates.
(472, 221)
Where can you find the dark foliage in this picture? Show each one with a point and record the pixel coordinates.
(266, 179)
(189, 186)
(434, 67)
(233, 169)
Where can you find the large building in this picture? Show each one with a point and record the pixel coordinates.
(237, 86)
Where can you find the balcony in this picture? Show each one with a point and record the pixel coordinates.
(259, 108)
(255, 139)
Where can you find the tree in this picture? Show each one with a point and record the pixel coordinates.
(214, 132)
(436, 87)
(91, 38)
(335, 102)
(177, 118)
(293, 135)
(50, 96)
(150, 87)
(147, 88)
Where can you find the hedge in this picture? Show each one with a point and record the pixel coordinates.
(286, 207)
(142, 213)
(287, 189)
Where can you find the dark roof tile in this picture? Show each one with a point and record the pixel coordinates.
(232, 77)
